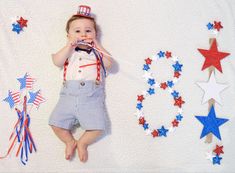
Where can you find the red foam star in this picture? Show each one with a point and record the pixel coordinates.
(213, 57)
(148, 61)
(219, 150)
(163, 85)
(154, 133)
(217, 25)
(175, 123)
(142, 120)
(179, 102)
(140, 98)
(177, 74)
(22, 22)
(168, 54)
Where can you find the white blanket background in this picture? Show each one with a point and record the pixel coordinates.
(131, 31)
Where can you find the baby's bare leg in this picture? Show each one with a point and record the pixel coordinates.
(86, 139)
(66, 137)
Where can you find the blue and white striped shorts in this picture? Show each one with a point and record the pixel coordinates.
(80, 102)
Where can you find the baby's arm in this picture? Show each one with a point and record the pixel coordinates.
(60, 57)
(106, 59)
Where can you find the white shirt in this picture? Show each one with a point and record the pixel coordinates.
(79, 58)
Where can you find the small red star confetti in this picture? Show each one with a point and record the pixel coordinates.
(168, 54)
(213, 56)
(179, 102)
(140, 98)
(163, 85)
(218, 150)
(177, 74)
(218, 25)
(142, 120)
(154, 133)
(22, 22)
(175, 123)
(148, 61)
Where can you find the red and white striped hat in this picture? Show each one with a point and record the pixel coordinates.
(85, 11)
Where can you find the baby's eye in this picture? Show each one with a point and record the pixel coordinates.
(88, 30)
(77, 31)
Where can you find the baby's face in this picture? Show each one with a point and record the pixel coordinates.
(82, 29)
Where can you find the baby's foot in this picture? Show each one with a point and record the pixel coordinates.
(82, 151)
(70, 148)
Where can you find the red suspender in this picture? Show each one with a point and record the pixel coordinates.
(66, 63)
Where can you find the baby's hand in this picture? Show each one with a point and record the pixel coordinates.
(72, 42)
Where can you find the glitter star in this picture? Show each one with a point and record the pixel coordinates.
(213, 56)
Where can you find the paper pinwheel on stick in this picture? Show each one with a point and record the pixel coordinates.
(21, 135)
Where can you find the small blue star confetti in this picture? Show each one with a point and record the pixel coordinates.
(146, 67)
(216, 160)
(16, 28)
(151, 82)
(151, 91)
(177, 66)
(161, 54)
(211, 123)
(162, 131)
(139, 106)
(210, 26)
(170, 84)
(146, 126)
(175, 94)
(179, 117)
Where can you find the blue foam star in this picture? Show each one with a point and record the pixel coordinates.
(146, 67)
(151, 82)
(161, 54)
(32, 96)
(145, 126)
(177, 66)
(209, 26)
(179, 117)
(151, 91)
(139, 106)
(162, 131)
(211, 123)
(16, 28)
(10, 100)
(216, 160)
(22, 81)
(170, 84)
(175, 94)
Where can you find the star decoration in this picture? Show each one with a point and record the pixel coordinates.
(175, 94)
(212, 89)
(209, 156)
(22, 22)
(162, 131)
(154, 133)
(175, 123)
(216, 160)
(179, 102)
(13, 98)
(147, 75)
(161, 54)
(148, 61)
(170, 83)
(168, 54)
(209, 26)
(151, 91)
(16, 28)
(177, 66)
(176, 74)
(211, 123)
(217, 25)
(145, 126)
(140, 98)
(151, 82)
(142, 120)
(139, 106)
(146, 67)
(179, 117)
(163, 85)
(213, 56)
(36, 98)
(218, 150)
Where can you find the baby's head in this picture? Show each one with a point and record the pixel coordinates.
(81, 26)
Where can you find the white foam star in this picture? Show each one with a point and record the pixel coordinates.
(212, 89)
